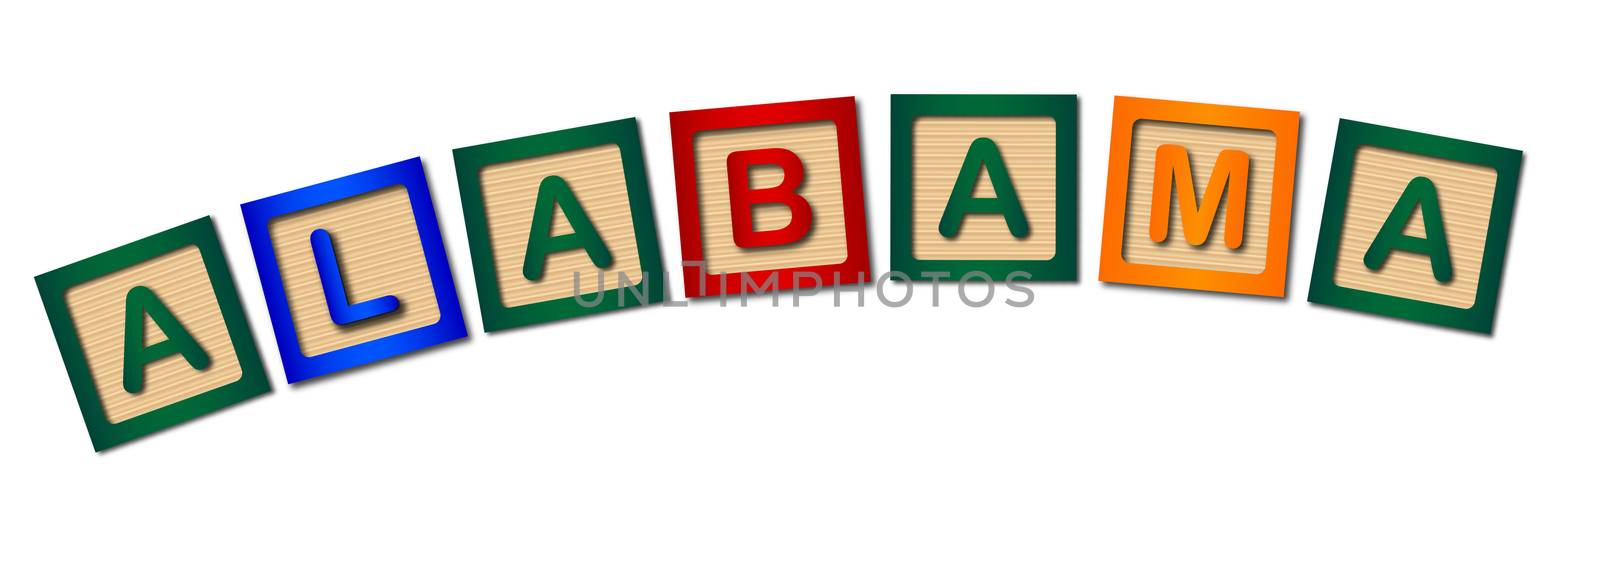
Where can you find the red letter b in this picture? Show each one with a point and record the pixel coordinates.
(742, 198)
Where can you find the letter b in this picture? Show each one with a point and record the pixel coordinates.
(743, 199)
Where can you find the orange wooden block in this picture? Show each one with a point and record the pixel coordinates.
(1199, 196)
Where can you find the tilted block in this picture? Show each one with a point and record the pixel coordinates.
(1199, 196)
(560, 224)
(152, 333)
(1415, 226)
(354, 270)
(986, 184)
(769, 197)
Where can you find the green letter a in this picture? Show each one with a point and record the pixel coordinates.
(1419, 194)
(983, 154)
(554, 191)
(136, 355)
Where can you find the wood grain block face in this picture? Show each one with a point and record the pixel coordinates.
(380, 254)
(817, 145)
(597, 179)
(1199, 196)
(547, 211)
(769, 197)
(1466, 197)
(354, 270)
(939, 148)
(1415, 226)
(152, 334)
(1204, 143)
(984, 186)
(180, 280)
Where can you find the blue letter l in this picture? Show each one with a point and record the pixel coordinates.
(339, 306)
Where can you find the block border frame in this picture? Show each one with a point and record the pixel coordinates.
(904, 112)
(470, 162)
(841, 111)
(53, 286)
(1507, 164)
(1284, 125)
(258, 217)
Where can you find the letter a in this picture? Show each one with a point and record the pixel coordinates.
(983, 154)
(554, 192)
(1419, 194)
(1230, 176)
(136, 355)
(742, 198)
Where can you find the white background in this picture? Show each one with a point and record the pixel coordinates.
(1104, 426)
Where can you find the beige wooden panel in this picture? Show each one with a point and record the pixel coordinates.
(597, 179)
(1466, 196)
(180, 280)
(817, 145)
(1028, 147)
(1204, 142)
(380, 254)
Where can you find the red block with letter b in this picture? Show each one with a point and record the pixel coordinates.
(769, 197)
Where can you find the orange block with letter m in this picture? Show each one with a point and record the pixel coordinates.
(1199, 196)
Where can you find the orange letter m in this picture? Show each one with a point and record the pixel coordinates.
(1230, 177)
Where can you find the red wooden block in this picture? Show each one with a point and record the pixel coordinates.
(769, 197)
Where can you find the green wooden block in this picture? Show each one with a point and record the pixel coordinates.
(152, 333)
(1415, 226)
(551, 215)
(984, 184)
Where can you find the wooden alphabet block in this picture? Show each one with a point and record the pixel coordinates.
(354, 270)
(1415, 226)
(152, 333)
(553, 218)
(1199, 196)
(769, 197)
(984, 183)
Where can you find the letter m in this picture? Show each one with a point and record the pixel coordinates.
(1230, 177)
